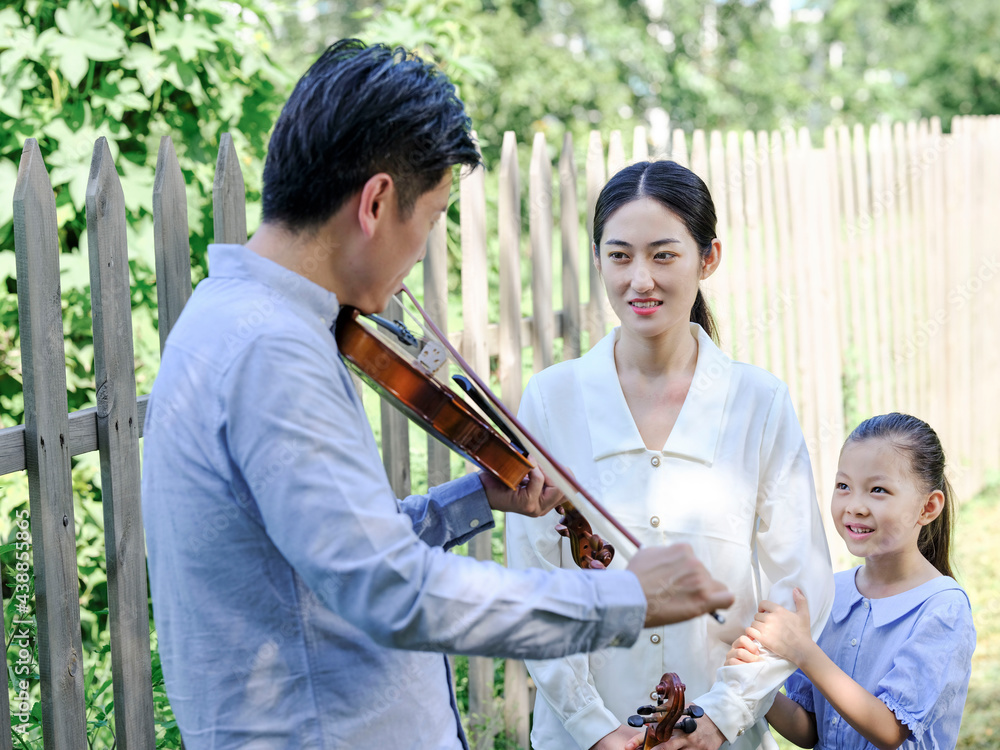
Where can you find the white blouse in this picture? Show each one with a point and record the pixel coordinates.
(733, 481)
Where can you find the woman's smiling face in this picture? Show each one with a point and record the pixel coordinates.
(651, 267)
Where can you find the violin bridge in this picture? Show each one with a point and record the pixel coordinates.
(432, 357)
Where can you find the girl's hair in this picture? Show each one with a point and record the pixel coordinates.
(678, 189)
(916, 440)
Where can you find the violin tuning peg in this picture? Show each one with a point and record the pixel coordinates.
(687, 725)
(636, 722)
(696, 711)
(646, 710)
(562, 530)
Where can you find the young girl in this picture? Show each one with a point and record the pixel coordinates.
(892, 666)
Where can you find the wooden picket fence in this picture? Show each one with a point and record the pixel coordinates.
(862, 272)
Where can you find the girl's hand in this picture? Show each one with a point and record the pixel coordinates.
(782, 632)
(744, 651)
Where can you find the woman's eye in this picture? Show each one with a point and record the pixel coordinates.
(665, 256)
(617, 255)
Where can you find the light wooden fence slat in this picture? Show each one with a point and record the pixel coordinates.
(868, 369)
(894, 265)
(927, 274)
(756, 322)
(472, 197)
(595, 175)
(229, 196)
(60, 650)
(850, 288)
(884, 321)
(699, 155)
(782, 223)
(118, 437)
(170, 239)
(509, 237)
(938, 273)
(827, 322)
(778, 305)
(616, 153)
(678, 150)
(905, 253)
(640, 146)
(569, 231)
(515, 675)
(722, 304)
(436, 304)
(540, 225)
(739, 343)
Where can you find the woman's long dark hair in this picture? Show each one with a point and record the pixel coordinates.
(916, 440)
(681, 191)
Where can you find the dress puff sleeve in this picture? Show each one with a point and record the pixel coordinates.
(929, 678)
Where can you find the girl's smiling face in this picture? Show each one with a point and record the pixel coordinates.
(651, 266)
(878, 505)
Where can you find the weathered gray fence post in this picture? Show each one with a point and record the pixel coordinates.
(170, 240)
(47, 455)
(118, 441)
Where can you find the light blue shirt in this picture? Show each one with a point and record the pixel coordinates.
(912, 651)
(292, 593)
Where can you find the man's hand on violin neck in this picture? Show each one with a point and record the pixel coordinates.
(677, 586)
(533, 498)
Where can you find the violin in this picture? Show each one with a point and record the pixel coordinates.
(422, 398)
(404, 374)
(662, 719)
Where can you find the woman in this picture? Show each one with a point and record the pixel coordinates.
(681, 444)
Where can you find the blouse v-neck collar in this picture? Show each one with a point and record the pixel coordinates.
(695, 434)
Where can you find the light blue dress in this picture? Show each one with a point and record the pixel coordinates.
(912, 651)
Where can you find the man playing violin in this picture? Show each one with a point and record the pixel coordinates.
(298, 603)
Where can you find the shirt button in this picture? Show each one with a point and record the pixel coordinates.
(655, 460)
(740, 733)
(654, 638)
(835, 721)
(866, 604)
(654, 521)
(854, 641)
(474, 522)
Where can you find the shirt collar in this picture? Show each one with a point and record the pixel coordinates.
(888, 609)
(695, 434)
(239, 262)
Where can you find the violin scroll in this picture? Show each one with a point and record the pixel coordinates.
(589, 550)
(668, 715)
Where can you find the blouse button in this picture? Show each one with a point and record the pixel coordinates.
(654, 638)
(655, 460)
(835, 721)
(866, 604)
(654, 521)
(474, 522)
(854, 641)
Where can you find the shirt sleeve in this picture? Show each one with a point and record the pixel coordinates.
(792, 551)
(296, 432)
(932, 667)
(565, 684)
(451, 513)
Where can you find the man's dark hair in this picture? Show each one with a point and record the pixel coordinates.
(358, 111)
